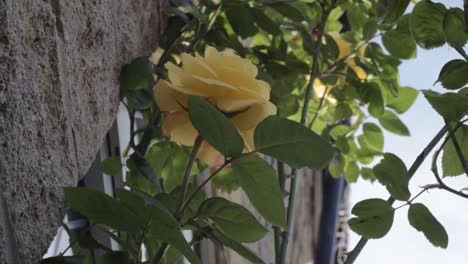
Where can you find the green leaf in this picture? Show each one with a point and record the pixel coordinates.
(173, 256)
(264, 22)
(343, 111)
(287, 105)
(111, 166)
(454, 74)
(136, 75)
(158, 220)
(239, 248)
(289, 10)
(355, 16)
(393, 124)
(454, 27)
(369, 29)
(139, 99)
(451, 165)
(451, 106)
(140, 167)
(259, 181)
(226, 181)
(168, 160)
(392, 173)
(339, 131)
(390, 11)
(337, 164)
(372, 137)
(292, 143)
(373, 95)
(102, 209)
(374, 218)
(115, 257)
(427, 24)
(63, 260)
(163, 226)
(241, 20)
(233, 219)
(368, 174)
(404, 100)
(351, 172)
(399, 44)
(214, 127)
(422, 220)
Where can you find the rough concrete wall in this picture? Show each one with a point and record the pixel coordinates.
(59, 64)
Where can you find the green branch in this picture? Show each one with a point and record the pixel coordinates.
(352, 256)
(183, 193)
(292, 187)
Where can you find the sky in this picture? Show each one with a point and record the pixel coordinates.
(403, 244)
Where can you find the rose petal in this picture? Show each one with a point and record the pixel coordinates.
(229, 59)
(179, 127)
(188, 83)
(232, 102)
(197, 66)
(320, 88)
(156, 56)
(360, 73)
(253, 115)
(343, 46)
(210, 156)
(248, 137)
(167, 98)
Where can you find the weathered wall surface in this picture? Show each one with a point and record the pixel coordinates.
(59, 64)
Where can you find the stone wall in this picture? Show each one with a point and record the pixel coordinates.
(59, 65)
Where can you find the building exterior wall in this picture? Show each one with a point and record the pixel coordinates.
(59, 66)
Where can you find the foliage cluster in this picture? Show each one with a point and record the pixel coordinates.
(336, 90)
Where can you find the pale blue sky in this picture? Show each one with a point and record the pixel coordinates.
(403, 244)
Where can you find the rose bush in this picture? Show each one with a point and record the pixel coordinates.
(223, 79)
(345, 52)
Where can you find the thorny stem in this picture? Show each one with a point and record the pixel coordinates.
(319, 106)
(352, 256)
(185, 182)
(276, 229)
(192, 196)
(183, 193)
(292, 187)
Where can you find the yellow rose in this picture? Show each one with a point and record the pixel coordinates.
(225, 80)
(344, 48)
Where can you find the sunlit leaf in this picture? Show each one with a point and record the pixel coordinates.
(392, 172)
(215, 127)
(451, 106)
(259, 181)
(393, 124)
(422, 220)
(454, 74)
(233, 219)
(374, 218)
(292, 143)
(427, 24)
